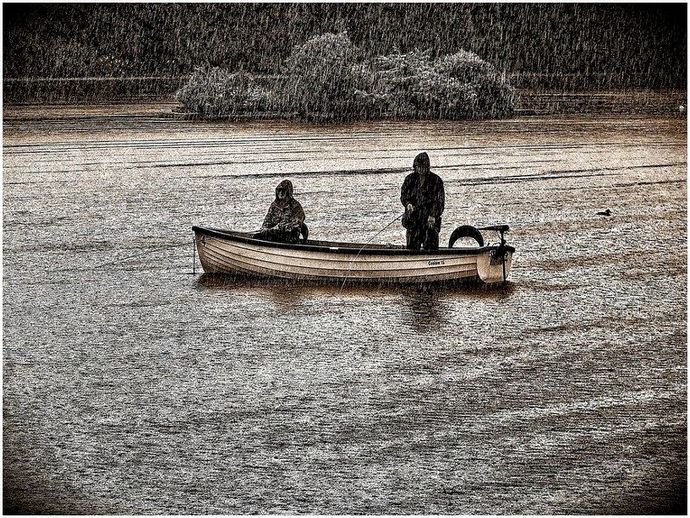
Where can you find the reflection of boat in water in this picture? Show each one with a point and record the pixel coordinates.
(230, 252)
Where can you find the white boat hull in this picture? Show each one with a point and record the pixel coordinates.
(237, 253)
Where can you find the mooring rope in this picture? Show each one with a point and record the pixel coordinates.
(147, 251)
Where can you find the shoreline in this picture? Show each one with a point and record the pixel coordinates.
(529, 102)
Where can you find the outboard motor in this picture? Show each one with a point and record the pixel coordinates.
(499, 254)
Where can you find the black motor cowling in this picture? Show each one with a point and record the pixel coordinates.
(466, 231)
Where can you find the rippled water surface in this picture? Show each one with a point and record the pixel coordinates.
(133, 386)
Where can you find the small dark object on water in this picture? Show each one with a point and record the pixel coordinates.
(606, 212)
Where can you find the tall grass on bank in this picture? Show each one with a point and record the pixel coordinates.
(329, 78)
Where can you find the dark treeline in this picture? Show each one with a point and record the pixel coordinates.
(628, 44)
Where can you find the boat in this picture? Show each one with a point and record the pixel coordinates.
(241, 254)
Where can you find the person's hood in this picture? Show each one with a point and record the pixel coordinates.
(285, 185)
(421, 161)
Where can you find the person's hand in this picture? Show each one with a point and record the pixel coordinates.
(430, 221)
(409, 207)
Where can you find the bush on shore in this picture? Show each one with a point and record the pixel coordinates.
(329, 78)
(215, 92)
(318, 77)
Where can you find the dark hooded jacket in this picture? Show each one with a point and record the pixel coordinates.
(425, 193)
(286, 214)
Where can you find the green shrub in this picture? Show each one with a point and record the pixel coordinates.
(327, 77)
(215, 92)
(494, 97)
(319, 77)
(464, 66)
(456, 86)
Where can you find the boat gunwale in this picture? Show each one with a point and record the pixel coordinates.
(338, 247)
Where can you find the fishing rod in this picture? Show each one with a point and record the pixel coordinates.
(349, 269)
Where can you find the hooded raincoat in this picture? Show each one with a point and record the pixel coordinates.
(285, 216)
(426, 194)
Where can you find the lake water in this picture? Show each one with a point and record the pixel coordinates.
(133, 386)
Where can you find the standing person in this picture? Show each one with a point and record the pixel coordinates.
(285, 216)
(423, 197)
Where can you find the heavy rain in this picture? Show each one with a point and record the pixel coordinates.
(134, 382)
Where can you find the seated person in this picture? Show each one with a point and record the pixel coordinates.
(285, 217)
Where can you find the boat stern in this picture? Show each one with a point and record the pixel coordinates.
(494, 265)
